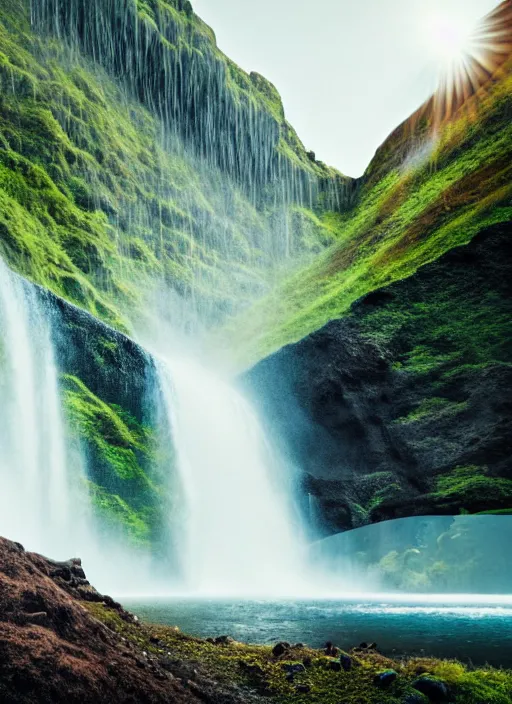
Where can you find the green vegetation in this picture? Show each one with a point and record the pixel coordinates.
(434, 408)
(407, 214)
(97, 206)
(118, 438)
(473, 485)
(125, 486)
(117, 513)
(255, 668)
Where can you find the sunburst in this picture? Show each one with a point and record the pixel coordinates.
(471, 59)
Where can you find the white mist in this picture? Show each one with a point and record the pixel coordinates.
(238, 533)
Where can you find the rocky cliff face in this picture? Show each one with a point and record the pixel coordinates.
(402, 407)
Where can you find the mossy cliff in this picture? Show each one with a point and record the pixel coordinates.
(402, 407)
(392, 397)
(116, 424)
(134, 154)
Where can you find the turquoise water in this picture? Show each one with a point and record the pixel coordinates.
(472, 632)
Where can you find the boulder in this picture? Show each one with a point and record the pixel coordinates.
(346, 662)
(385, 678)
(280, 648)
(434, 689)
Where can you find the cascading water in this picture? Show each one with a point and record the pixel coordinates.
(239, 535)
(35, 500)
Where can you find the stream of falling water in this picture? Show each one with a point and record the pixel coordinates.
(35, 502)
(239, 537)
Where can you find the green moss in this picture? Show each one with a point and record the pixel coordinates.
(473, 485)
(117, 513)
(117, 436)
(434, 408)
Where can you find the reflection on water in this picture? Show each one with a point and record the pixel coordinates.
(472, 632)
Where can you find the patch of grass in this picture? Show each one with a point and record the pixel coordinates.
(434, 408)
(473, 485)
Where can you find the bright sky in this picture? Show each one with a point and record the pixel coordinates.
(349, 71)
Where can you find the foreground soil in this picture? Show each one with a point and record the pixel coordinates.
(62, 641)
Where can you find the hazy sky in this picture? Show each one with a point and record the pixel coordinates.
(349, 71)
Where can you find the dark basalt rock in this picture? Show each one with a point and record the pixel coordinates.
(280, 648)
(331, 650)
(435, 690)
(386, 678)
(303, 689)
(224, 640)
(294, 668)
(341, 403)
(346, 662)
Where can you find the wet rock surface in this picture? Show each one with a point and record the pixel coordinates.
(378, 405)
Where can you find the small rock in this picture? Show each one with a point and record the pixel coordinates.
(112, 667)
(154, 639)
(251, 669)
(298, 646)
(224, 640)
(303, 689)
(346, 662)
(335, 665)
(294, 669)
(372, 646)
(434, 689)
(211, 641)
(363, 645)
(386, 678)
(330, 649)
(280, 648)
(307, 661)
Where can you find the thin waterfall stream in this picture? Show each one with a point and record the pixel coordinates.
(35, 502)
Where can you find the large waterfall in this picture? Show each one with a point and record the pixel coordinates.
(239, 537)
(35, 501)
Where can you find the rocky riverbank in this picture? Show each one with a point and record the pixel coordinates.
(62, 641)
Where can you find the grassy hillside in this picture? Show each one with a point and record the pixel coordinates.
(102, 195)
(423, 194)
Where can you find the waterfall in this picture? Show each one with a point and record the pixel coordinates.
(35, 497)
(239, 538)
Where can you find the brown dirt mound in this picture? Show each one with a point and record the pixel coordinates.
(53, 650)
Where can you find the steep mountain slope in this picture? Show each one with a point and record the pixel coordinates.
(132, 152)
(432, 186)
